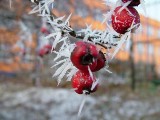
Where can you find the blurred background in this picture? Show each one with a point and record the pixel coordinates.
(28, 91)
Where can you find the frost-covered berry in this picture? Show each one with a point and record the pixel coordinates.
(124, 19)
(84, 55)
(82, 83)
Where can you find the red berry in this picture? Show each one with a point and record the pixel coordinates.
(41, 52)
(133, 3)
(44, 30)
(100, 61)
(84, 55)
(82, 82)
(48, 46)
(45, 50)
(123, 20)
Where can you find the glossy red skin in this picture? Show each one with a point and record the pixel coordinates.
(82, 49)
(133, 3)
(100, 62)
(82, 81)
(123, 20)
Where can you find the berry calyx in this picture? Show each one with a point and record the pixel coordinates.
(82, 83)
(123, 20)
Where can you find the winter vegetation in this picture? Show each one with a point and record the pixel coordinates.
(72, 69)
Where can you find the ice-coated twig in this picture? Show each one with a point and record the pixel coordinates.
(59, 22)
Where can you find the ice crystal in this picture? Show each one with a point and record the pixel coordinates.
(81, 106)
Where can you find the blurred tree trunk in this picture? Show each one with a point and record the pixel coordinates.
(132, 64)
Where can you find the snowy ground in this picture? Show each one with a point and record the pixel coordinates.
(61, 104)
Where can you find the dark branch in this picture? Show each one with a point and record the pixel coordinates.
(82, 35)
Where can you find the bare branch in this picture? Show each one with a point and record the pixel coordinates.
(77, 34)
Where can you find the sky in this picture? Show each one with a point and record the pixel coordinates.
(152, 9)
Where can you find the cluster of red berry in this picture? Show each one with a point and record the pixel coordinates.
(127, 18)
(87, 59)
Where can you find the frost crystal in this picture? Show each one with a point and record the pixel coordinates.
(81, 106)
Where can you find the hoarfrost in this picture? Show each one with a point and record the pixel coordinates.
(108, 38)
(94, 84)
(82, 105)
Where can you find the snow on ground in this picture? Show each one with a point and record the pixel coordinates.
(62, 104)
